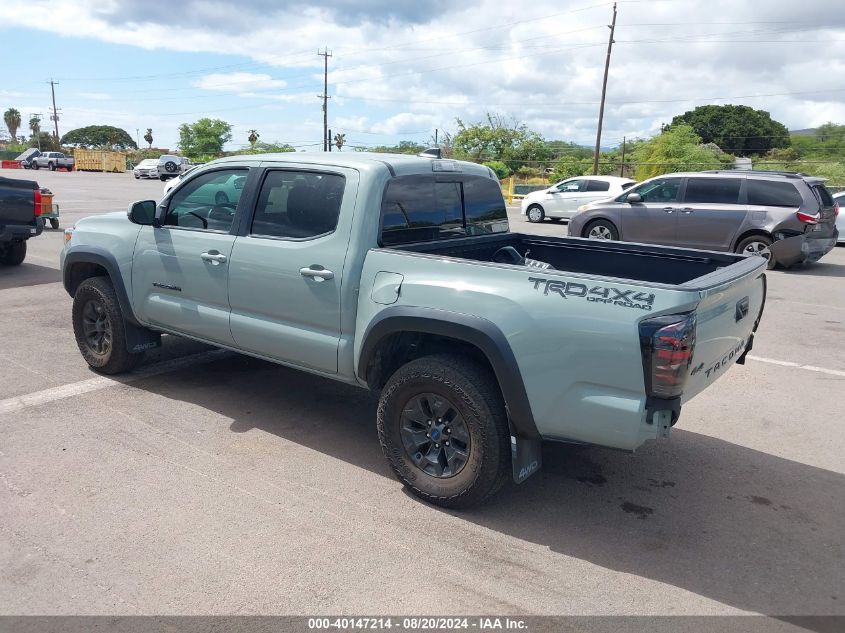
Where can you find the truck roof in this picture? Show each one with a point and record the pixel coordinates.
(398, 164)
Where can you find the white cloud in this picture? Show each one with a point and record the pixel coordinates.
(238, 82)
(400, 67)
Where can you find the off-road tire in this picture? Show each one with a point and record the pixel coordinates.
(170, 167)
(762, 239)
(13, 253)
(473, 391)
(117, 359)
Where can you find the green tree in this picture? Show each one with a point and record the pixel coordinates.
(678, 148)
(100, 136)
(267, 148)
(148, 137)
(34, 124)
(253, 137)
(205, 137)
(12, 118)
(501, 170)
(488, 141)
(404, 147)
(736, 129)
(48, 142)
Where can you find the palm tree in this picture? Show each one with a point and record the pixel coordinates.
(253, 137)
(148, 137)
(13, 121)
(35, 124)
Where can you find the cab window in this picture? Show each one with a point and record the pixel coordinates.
(571, 186)
(207, 202)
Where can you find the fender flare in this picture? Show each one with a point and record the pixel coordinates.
(101, 257)
(474, 330)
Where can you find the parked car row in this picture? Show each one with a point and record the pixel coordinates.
(787, 217)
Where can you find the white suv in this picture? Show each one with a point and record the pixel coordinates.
(562, 200)
(170, 166)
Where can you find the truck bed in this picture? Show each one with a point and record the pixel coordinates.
(622, 260)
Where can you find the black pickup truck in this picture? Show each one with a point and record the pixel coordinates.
(20, 218)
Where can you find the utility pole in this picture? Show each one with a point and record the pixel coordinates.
(330, 140)
(622, 172)
(55, 115)
(325, 97)
(436, 144)
(612, 27)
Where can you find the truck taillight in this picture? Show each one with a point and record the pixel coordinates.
(36, 200)
(667, 344)
(807, 218)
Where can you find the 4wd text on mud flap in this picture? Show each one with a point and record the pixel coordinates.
(600, 294)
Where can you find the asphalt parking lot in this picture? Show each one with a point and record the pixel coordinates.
(211, 483)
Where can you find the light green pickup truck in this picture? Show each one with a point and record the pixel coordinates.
(399, 274)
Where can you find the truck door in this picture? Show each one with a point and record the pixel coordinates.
(286, 271)
(180, 271)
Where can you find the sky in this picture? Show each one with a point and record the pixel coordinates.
(401, 69)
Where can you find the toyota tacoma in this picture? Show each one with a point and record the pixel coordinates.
(399, 274)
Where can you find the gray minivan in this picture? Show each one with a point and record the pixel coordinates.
(787, 217)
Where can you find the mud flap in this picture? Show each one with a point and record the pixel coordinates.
(526, 457)
(140, 339)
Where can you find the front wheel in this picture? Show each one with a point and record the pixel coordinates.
(13, 254)
(535, 213)
(99, 327)
(757, 245)
(443, 428)
(601, 230)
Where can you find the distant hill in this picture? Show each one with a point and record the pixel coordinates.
(810, 131)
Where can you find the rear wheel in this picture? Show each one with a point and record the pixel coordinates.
(601, 230)
(535, 213)
(35, 165)
(52, 166)
(13, 253)
(99, 327)
(757, 245)
(54, 222)
(443, 428)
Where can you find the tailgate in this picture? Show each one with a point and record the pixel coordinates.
(726, 318)
(17, 201)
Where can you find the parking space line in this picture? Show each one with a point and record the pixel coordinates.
(69, 390)
(786, 363)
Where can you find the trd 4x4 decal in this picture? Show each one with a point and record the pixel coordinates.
(600, 294)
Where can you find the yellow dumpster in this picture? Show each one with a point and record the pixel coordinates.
(99, 160)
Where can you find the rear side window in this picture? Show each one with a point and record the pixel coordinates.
(597, 185)
(824, 195)
(420, 209)
(298, 204)
(713, 190)
(770, 193)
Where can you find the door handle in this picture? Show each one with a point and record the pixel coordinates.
(669, 209)
(214, 258)
(687, 210)
(317, 273)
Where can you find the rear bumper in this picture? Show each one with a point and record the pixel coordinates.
(11, 232)
(803, 248)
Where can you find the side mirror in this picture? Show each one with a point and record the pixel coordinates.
(552, 190)
(143, 212)
(633, 198)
